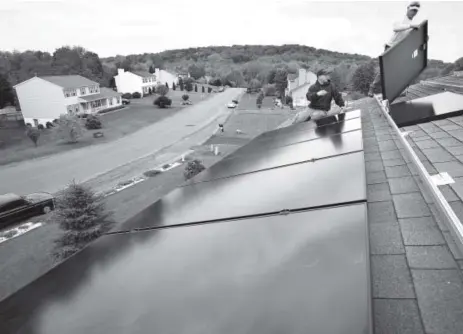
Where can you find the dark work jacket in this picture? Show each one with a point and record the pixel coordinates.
(324, 102)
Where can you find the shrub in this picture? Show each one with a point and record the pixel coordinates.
(93, 123)
(49, 125)
(203, 90)
(209, 89)
(185, 97)
(127, 96)
(69, 128)
(196, 88)
(151, 173)
(40, 127)
(167, 85)
(55, 121)
(173, 86)
(29, 125)
(162, 102)
(136, 95)
(193, 168)
(162, 90)
(33, 134)
(188, 86)
(81, 213)
(150, 91)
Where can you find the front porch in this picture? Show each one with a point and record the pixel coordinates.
(97, 102)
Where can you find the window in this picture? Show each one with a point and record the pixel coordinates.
(92, 89)
(82, 91)
(66, 93)
(77, 108)
(13, 205)
(97, 89)
(74, 92)
(36, 122)
(110, 101)
(69, 109)
(118, 100)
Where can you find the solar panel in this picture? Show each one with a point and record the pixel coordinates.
(288, 138)
(280, 274)
(426, 109)
(259, 159)
(313, 184)
(402, 63)
(304, 126)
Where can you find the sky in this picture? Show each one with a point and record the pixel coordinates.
(111, 27)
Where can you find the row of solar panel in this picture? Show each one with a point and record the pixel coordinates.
(264, 274)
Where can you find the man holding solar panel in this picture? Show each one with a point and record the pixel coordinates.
(401, 29)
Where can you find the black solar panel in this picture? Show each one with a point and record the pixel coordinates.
(288, 138)
(402, 63)
(313, 184)
(260, 158)
(280, 274)
(426, 109)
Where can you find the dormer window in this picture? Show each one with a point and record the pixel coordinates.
(83, 91)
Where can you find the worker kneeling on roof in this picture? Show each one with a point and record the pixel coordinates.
(320, 95)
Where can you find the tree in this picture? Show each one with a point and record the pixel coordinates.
(196, 88)
(271, 76)
(81, 213)
(33, 134)
(459, 64)
(185, 97)
(6, 92)
(193, 168)
(173, 86)
(162, 90)
(162, 101)
(260, 99)
(255, 85)
(281, 82)
(167, 85)
(196, 71)
(69, 128)
(151, 69)
(363, 77)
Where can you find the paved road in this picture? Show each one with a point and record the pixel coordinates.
(52, 173)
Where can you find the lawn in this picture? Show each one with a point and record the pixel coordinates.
(116, 124)
(248, 102)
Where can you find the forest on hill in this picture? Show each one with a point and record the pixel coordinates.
(238, 65)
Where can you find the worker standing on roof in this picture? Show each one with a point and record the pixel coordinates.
(320, 95)
(401, 29)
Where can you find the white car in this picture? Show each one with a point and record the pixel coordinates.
(231, 105)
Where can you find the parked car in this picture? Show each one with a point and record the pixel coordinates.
(15, 208)
(125, 101)
(231, 105)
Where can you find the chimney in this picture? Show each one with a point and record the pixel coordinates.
(120, 71)
(302, 76)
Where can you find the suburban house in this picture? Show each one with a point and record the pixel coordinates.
(142, 81)
(44, 99)
(298, 86)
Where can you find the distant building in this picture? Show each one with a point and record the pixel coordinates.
(299, 85)
(44, 99)
(142, 81)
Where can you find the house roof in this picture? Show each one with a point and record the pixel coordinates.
(104, 93)
(69, 81)
(304, 86)
(143, 74)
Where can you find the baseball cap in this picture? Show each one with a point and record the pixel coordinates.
(323, 72)
(414, 5)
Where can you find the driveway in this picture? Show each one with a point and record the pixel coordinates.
(52, 173)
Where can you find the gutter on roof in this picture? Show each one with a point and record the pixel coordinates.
(440, 202)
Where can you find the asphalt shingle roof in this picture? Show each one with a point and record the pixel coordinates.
(415, 263)
(143, 74)
(70, 81)
(104, 93)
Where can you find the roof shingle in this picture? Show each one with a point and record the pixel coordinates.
(69, 81)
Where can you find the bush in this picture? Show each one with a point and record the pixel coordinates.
(150, 91)
(93, 123)
(188, 86)
(196, 88)
(69, 128)
(127, 96)
(136, 95)
(185, 97)
(163, 102)
(151, 173)
(203, 90)
(81, 213)
(49, 125)
(209, 89)
(162, 90)
(193, 168)
(33, 134)
(40, 127)
(167, 85)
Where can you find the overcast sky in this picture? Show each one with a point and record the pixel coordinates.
(110, 27)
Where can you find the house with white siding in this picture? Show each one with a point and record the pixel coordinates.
(299, 85)
(142, 81)
(44, 99)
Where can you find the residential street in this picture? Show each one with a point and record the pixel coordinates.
(51, 173)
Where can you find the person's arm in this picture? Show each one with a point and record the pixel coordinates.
(312, 93)
(400, 26)
(337, 96)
